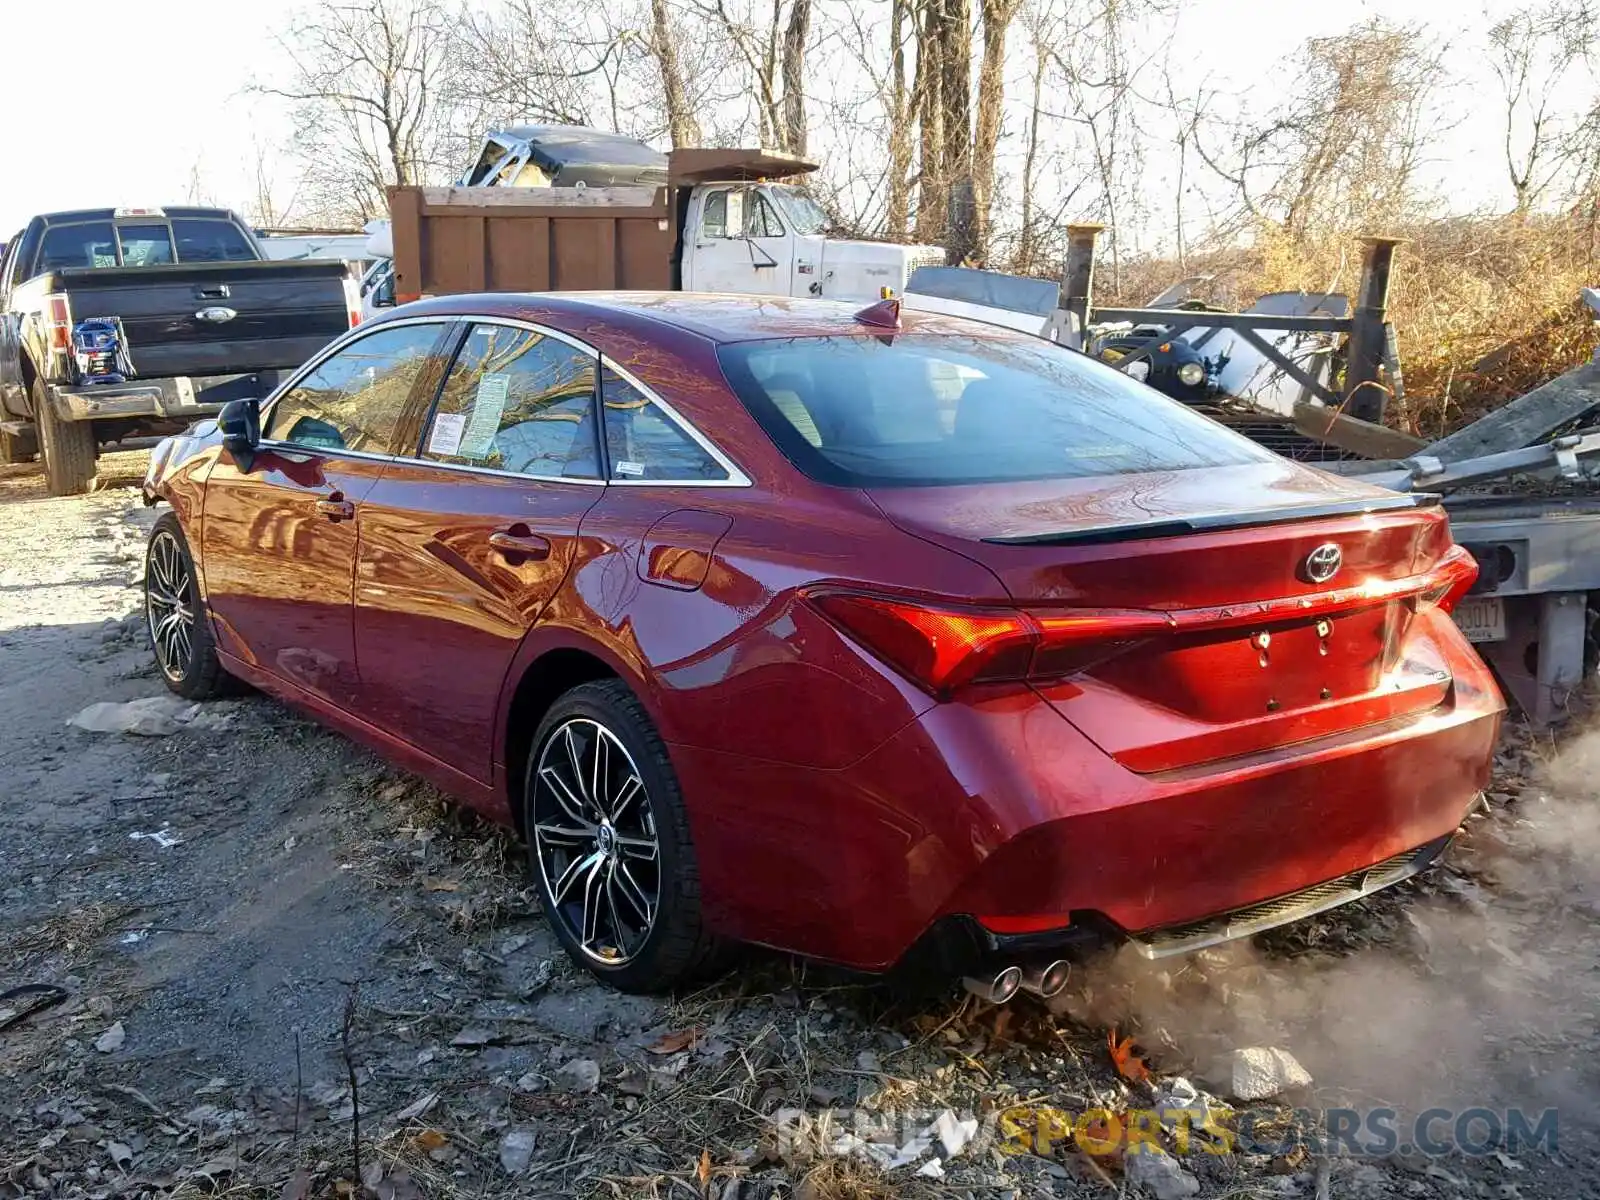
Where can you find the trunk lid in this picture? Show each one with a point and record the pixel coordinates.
(284, 312)
(1259, 652)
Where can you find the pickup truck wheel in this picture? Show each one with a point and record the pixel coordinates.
(67, 447)
(14, 450)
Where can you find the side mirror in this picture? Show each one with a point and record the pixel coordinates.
(240, 423)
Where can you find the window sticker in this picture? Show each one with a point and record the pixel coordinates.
(624, 467)
(488, 406)
(445, 440)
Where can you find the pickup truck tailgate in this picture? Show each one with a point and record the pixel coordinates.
(282, 313)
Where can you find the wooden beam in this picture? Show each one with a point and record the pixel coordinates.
(1529, 418)
(1352, 434)
(1216, 320)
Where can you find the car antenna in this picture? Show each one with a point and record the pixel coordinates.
(885, 313)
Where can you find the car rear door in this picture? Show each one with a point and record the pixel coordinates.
(464, 544)
(279, 536)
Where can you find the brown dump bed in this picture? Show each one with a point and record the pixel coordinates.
(449, 240)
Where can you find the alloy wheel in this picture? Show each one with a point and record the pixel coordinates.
(169, 603)
(595, 838)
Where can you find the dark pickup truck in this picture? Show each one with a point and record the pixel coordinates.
(118, 323)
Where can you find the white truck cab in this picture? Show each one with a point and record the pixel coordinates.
(771, 239)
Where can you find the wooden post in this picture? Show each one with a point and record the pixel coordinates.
(960, 243)
(1364, 395)
(1077, 278)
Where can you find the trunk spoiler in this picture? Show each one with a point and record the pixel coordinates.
(1142, 530)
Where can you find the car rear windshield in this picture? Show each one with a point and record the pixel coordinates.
(929, 409)
(143, 243)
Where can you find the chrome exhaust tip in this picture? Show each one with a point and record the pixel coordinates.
(1048, 980)
(997, 990)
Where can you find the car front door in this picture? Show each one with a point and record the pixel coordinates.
(464, 545)
(741, 245)
(11, 399)
(279, 537)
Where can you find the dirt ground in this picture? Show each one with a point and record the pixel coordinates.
(288, 966)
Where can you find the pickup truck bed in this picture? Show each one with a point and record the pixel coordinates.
(115, 323)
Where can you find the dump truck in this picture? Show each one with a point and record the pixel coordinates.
(725, 221)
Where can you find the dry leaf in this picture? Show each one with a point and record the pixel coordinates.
(671, 1043)
(1125, 1057)
(431, 1139)
(442, 885)
(703, 1172)
(1002, 1027)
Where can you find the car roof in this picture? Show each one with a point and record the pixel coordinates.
(716, 318)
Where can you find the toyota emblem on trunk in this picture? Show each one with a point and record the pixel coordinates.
(1322, 564)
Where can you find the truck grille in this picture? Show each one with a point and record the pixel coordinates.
(1254, 918)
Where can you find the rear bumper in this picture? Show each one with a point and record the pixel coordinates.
(181, 398)
(1000, 811)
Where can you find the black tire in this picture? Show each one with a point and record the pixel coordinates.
(188, 664)
(676, 947)
(67, 447)
(12, 450)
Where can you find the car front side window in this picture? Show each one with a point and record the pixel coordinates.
(356, 398)
(517, 400)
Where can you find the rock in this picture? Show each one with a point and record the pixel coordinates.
(867, 1061)
(516, 1150)
(111, 1039)
(580, 1075)
(472, 1036)
(1179, 1102)
(1259, 1073)
(530, 1082)
(1159, 1174)
(152, 716)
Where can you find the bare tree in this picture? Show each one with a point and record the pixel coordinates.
(1532, 51)
(368, 80)
(1343, 150)
(997, 16)
(795, 36)
(682, 124)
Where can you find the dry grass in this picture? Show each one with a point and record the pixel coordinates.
(1486, 308)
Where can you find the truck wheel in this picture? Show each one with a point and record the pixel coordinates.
(67, 447)
(14, 450)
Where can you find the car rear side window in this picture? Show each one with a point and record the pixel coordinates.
(204, 240)
(356, 399)
(929, 409)
(517, 400)
(644, 442)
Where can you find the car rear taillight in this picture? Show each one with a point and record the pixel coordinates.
(58, 322)
(945, 648)
(1449, 579)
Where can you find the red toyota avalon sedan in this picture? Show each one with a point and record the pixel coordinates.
(885, 638)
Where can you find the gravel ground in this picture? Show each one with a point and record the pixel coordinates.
(288, 967)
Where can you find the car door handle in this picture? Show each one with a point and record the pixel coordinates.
(519, 543)
(336, 508)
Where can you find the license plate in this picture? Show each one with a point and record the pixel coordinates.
(1482, 618)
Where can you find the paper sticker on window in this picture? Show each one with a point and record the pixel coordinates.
(445, 440)
(623, 467)
(483, 421)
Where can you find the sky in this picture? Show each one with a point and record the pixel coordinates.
(165, 99)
